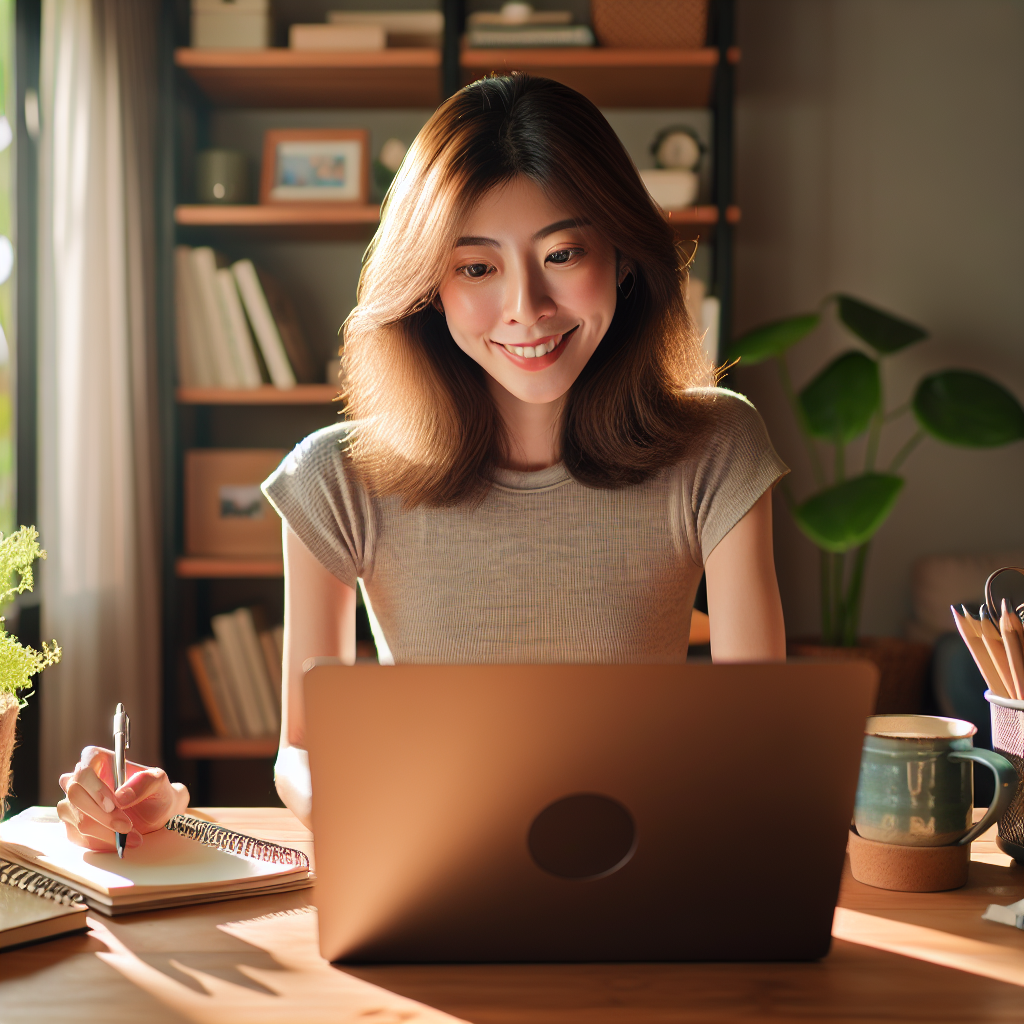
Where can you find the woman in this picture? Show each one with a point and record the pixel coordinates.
(536, 467)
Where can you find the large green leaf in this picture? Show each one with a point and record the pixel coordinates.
(848, 514)
(839, 403)
(965, 408)
(882, 331)
(772, 339)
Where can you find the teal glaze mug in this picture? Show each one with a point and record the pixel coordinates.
(916, 783)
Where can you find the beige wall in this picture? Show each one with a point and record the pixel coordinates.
(880, 151)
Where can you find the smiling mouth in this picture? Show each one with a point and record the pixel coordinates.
(542, 348)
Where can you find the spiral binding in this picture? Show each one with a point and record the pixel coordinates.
(19, 877)
(220, 838)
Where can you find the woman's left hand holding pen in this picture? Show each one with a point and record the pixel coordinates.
(94, 809)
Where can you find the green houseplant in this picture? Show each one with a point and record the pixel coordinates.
(846, 401)
(18, 663)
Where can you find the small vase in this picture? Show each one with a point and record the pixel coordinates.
(9, 709)
(902, 667)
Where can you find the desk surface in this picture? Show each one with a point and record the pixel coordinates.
(895, 957)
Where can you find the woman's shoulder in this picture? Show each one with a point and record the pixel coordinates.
(728, 417)
(321, 457)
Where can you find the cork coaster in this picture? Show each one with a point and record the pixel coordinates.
(908, 868)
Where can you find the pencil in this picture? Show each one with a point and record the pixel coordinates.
(1013, 643)
(967, 628)
(997, 652)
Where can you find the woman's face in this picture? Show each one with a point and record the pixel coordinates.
(529, 293)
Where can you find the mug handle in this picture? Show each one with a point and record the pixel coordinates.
(1006, 787)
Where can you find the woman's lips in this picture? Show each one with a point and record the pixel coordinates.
(539, 362)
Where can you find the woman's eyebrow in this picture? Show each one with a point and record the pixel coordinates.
(477, 240)
(560, 225)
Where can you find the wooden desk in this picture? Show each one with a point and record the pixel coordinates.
(895, 957)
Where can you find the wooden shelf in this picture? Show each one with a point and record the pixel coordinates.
(200, 567)
(279, 77)
(283, 220)
(301, 394)
(696, 221)
(612, 77)
(226, 748)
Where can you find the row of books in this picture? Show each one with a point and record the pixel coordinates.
(238, 674)
(235, 326)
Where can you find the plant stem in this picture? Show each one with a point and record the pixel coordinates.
(838, 612)
(826, 596)
(787, 387)
(853, 597)
(900, 410)
(840, 462)
(875, 433)
(902, 454)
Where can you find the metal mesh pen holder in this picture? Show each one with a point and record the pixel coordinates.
(1008, 740)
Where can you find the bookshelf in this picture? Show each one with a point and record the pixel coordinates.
(203, 90)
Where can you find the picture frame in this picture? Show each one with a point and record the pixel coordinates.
(315, 165)
(226, 513)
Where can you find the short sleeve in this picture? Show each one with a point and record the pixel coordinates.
(328, 511)
(736, 465)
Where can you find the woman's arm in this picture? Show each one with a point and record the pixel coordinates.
(319, 621)
(743, 593)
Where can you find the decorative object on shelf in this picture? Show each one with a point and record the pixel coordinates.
(386, 165)
(518, 25)
(402, 28)
(650, 24)
(222, 176)
(844, 402)
(18, 663)
(231, 24)
(674, 182)
(318, 165)
(337, 37)
(226, 513)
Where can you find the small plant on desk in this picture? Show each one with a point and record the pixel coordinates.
(844, 402)
(18, 662)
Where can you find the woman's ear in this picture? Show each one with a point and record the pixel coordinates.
(437, 304)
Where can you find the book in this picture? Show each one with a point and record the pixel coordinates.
(212, 702)
(190, 330)
(189, 861)
(236, 672)
(337, 37)
(213, 662)
(238, 332)
(485, 37)
(30, 910)
(403, 28)
(259, 676)
(204, 271)
(272, 654)
(307, 369)
(263, 325)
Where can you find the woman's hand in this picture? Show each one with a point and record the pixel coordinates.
(93, 810)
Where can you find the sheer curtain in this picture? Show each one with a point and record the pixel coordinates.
(98, 442)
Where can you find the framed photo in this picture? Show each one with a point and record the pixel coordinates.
(315, 165)
(226, 514)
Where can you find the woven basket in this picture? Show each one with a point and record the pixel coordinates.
(9, 708)
(650, 24)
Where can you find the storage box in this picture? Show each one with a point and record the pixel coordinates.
(231, 24)
(226, 514)
(650, 24)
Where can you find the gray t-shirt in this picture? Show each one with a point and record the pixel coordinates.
(544, 569)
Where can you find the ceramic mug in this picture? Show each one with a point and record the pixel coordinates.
(916, 784)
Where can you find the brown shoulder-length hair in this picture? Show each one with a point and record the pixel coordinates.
(427, 428)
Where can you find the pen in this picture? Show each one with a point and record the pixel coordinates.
(121, 744)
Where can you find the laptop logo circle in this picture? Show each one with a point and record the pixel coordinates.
(583, 837)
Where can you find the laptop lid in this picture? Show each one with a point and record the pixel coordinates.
(496, 813)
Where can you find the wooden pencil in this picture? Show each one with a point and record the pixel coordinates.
(967, 627)
(997, 652)
(1013, 643)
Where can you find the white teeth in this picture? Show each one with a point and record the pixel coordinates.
(533, 351)
(550, 347)
(529, 352)
(518, 349)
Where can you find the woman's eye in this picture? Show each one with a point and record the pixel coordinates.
(564, 255)
(474, 270)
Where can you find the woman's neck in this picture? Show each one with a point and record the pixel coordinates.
(533, 429)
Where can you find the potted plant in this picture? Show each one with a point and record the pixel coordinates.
(18, 663)
(846, 401)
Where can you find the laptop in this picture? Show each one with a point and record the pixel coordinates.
(539, 813)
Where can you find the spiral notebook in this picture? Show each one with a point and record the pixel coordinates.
(34, 907)
(191, 861)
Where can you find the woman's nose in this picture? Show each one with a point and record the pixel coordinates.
(527, 299)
